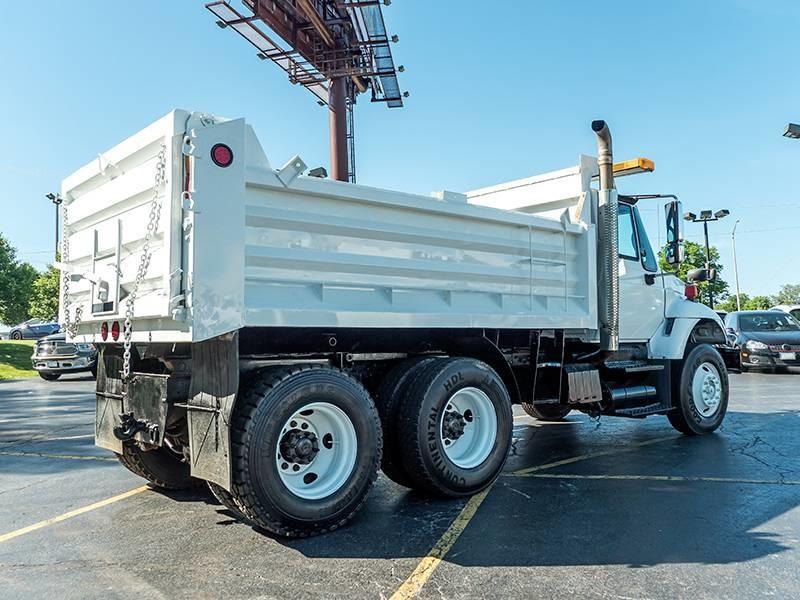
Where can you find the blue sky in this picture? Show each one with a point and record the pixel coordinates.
(703, 88)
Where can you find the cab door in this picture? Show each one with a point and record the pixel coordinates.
(641, 292)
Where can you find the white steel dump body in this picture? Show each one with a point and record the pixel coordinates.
(250, 246)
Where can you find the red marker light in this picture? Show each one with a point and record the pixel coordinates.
(690, 291)
(222, 155)
(104, 331)
(115, 331)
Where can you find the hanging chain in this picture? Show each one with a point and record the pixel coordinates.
(70, 325)
(144, 261)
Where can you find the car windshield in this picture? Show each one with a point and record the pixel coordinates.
(771, 321)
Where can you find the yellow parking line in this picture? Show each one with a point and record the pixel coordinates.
(73, 513)
(663, 478)
(412, 586)
(61, 456)
(580, 457)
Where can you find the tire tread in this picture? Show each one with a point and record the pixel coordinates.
(131, 458)
(247, 408)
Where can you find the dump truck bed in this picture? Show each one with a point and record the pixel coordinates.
(247, 245)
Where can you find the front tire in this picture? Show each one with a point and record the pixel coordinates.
(306, 446)
(546, 412)
(455, 427)
(16, 335)
(160, 467)
(701, 398)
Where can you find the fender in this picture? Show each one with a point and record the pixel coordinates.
(684, 320)
(483, 349)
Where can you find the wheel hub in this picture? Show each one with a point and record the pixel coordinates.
(707, 390)
(316, 451)
(710, 395)
(299, 447)
(453, 425)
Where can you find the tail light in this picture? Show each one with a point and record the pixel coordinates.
(104, 331)
(115, 331)
(222, 155)
(690, 291)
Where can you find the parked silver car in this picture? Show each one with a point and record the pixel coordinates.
(53, 356)
(33, 329)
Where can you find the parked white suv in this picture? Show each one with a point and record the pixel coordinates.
(792, 309)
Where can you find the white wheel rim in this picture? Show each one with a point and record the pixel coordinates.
(468, 428)
(706, 389)
(316, 451)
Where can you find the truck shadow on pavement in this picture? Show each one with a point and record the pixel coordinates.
(594, 512)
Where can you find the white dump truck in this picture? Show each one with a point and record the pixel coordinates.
(284, 336)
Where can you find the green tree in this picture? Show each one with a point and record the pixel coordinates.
(696, 259)
(45, 294)
(759, 303)
(789, 294)
(729, 304)
(16, 283)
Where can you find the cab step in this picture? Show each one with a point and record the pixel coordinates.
(633, 366)
(643, 411)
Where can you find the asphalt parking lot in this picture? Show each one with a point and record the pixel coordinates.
(608, 509)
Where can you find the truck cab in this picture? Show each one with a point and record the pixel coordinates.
(652, 302)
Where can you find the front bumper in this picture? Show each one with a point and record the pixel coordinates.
(75, 363)
(730, 356)
(769, 360)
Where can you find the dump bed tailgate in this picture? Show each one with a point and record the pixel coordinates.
(107, 208)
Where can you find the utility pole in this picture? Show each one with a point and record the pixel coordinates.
(56, 199)
(705, 217)
(708, 265)
(736, 267)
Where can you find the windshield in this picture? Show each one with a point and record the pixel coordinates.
(768, 321)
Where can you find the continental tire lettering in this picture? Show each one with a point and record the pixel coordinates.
(453, 380)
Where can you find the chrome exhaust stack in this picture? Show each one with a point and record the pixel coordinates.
(607, 242)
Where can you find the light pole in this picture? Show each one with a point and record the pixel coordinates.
(705, 217)
(56, 200)
(736, 267)
(792, 131)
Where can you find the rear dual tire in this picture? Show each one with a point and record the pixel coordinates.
(162, 468)
(454, 427)
(306, 446)
(392, 391)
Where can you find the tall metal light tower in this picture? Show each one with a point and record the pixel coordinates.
(336, 49)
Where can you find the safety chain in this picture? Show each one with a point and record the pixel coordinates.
(144, 262)
(70, 325)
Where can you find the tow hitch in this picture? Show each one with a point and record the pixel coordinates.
(129, 426)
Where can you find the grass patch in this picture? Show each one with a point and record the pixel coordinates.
(15, 359)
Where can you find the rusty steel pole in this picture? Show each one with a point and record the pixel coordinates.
(337, 90)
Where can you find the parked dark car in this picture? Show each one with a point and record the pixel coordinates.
(766, 339)
(33, 329)
(53, 356)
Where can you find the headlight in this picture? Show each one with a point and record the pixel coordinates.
(84, 347)
(754, 345)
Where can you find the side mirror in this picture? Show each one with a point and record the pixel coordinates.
(696, 275)
(674, 253)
